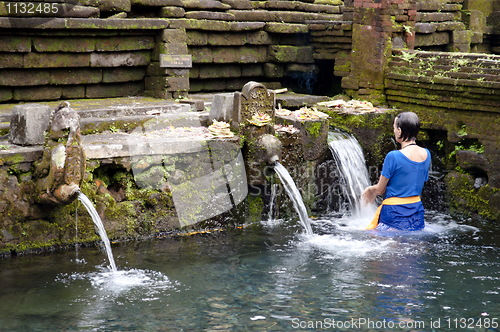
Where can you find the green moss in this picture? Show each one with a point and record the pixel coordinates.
(12, 159)
(255, 208)
(469, 201)
(313, 128)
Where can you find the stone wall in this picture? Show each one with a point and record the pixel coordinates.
(78, 58)
(111, 48)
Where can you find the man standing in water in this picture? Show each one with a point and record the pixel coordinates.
(402, 179)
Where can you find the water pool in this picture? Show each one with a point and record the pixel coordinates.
(265, 277)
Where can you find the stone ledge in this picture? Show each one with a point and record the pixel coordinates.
(446, 80)
(210, 25)
(457, 98)
(440, 104)
(83, 23)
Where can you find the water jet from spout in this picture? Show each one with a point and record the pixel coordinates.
(294, 194)
(99, 225)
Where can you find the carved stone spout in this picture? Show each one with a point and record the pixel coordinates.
(268, 149)
(62, 166)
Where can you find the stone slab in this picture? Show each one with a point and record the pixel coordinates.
(84, 23)
(298, 100)
(29, 123)
(222, 107)
(117, 59)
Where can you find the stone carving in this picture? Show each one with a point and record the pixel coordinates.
(254, 98)
(63, 163)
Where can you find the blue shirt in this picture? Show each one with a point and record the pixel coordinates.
(406, 177)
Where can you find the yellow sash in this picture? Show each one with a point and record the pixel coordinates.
(391, 201)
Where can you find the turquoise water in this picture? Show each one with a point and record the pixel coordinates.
(265, 277)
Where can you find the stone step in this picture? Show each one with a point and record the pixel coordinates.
(131, 109)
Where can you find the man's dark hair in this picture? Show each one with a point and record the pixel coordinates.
(409, 124)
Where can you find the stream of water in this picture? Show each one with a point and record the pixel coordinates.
(100, 228)
(294, 194)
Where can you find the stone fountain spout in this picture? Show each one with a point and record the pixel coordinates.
(269, 149)
(62, 167)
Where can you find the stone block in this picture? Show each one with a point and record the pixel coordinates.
(117, 59)
(114, 90)
(5, 94)
(227, 39)
(206, 15)
(220, 71)
(425, 27)
(435, 17)
(197, 38)
(254, 15)
(11, 60)
(15, 43)
(53, 60)
(459, 47)
(252, 70)
(124, 43)
(240, 54)
(75, 76)
(202, 54)
(154, 69)
(36, 93)
(449, 26)
(238, 4)
(73, 92)
(177, 72)
(54, 44)
(79, 11)
(23, 77)
(205, 4)
(275, 27)
(114, 5)
(285, 53)
(122, 74)
(29, 123)
(274, 70)
(350, 83)
(178, 84)
(161, 94)
(222, 107)
(259, 38)
(438, 38)
(477, 38)
(158, 3)
(176, 48)
(174, 36)
(155, 83)
(171, 11)
(485, 6)
(474, 20)
(461, 37)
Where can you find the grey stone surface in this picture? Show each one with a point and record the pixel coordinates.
(222, 107)
(28, 124)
